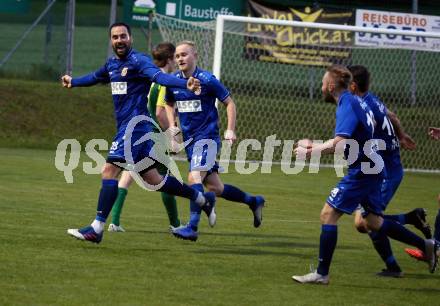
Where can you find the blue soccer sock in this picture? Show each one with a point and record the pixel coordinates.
(398, 232)
(173, 187)
(107, 197)
(195, 209)
(437, 227)
(382, 245)
(401, 218)
(232, 193)
(327, 245)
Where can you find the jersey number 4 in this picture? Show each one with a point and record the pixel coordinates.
(388, 126)
(370, 120)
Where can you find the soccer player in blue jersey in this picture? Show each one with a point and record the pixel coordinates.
(131, 74)
(163, 57)
(362, 184)
(199, 123)
(390, 130)
(434, 133)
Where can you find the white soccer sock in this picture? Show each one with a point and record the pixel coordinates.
(98, 226)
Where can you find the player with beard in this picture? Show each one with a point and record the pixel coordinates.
(362, 184)
(163, 57)
(131, 74)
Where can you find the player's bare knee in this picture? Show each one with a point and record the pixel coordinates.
(329, 215)
(152, 177)
(194, 177)
(373, 222)
(359, 223)
(217, 189)
(109, 171)
(361, 227)
(324, 216)
(438, 200)
(125, 180)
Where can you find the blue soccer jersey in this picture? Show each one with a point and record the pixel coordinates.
(391, 156)
(384, 129)
(197, 113)
(354, 120)
(130, 79)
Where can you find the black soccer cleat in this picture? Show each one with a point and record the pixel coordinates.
(257, 210)
(390, 273)
(417, 217)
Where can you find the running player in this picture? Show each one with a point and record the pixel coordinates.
(390, 130)
(362, 184)
(131, 74)
(199, 122)
(434, 133)
(163, 57)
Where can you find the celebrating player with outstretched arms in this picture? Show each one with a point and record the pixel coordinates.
(130, 74)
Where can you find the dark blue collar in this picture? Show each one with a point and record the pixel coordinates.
(195, 73)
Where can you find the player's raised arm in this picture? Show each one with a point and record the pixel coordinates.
(167, 80)
(99, 76)
(149, 70)
(328, 147)
(405, 140)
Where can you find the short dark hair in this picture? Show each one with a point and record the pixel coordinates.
(119, 24)
(361, 76)
(341, 75)
(162, 52)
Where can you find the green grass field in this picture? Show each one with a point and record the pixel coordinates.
(231, 264)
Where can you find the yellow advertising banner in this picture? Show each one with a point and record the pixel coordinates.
(303, 46)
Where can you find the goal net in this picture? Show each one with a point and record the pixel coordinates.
(274, 70)
(35, 42)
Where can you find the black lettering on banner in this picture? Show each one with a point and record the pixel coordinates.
(295, 46)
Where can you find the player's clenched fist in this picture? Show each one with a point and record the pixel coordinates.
(434, 133)
(305, 143)
(66, 81)
(230, 136)
(193, 84)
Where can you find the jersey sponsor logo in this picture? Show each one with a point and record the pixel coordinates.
(189, 106)
(124, 71)
(119, 88)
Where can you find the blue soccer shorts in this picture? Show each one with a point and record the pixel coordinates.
(393, 175)
(125, 150)
(357, 188)
(202, 155)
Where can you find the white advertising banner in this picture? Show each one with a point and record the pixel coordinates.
(397, 21)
